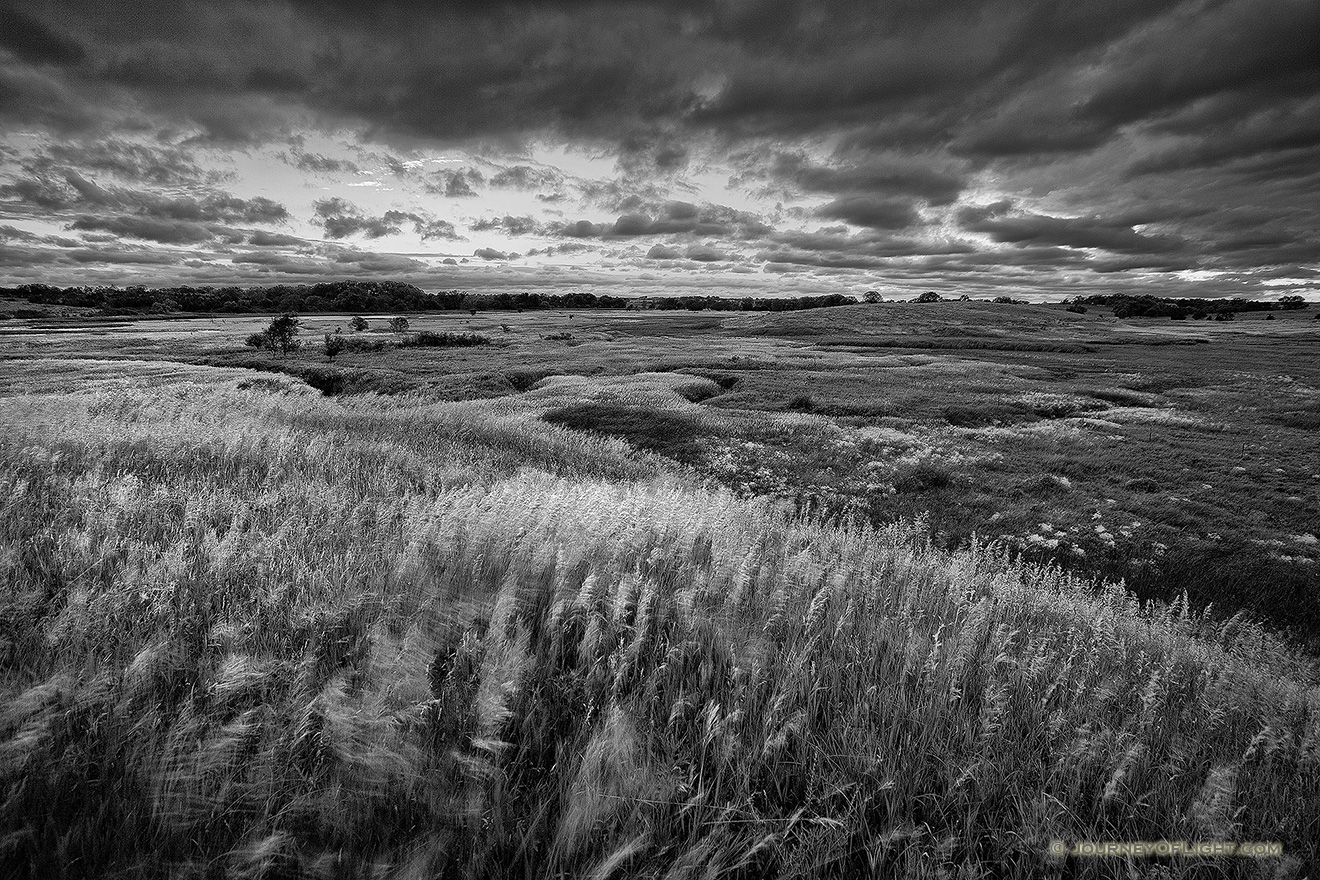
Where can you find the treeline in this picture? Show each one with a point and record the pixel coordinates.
(1129, 306)
(370, 296)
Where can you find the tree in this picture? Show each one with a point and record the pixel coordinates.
(283, 334)
(334, 344)
(399, 324)
(358, 323)
(929, 296)
(873, 296)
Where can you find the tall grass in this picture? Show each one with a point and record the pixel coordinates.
(254, 633)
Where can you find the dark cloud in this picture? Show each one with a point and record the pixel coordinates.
(149, 228)
(1072, 232)
(663, 252)
(1129, 136)
(430, 229)
(706, 253)
(936, 182)
(674, 218)
(490, 254)
(510, 225)
(1206, 50)
(135, 162)
(455, 184)
(318, 164)
(59, 189)
(581, 229)
(876, 213)
(274, 239)
(373, 262)
(37, 42)
(342, 219)
(527, 177)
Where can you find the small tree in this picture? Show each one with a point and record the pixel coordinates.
(334, 344)
(929, 296)
(399, 324)
(358, 323)
(873, 296)
(283, 334)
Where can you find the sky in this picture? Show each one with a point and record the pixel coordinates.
(1026, 148)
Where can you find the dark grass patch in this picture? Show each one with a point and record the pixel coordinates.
(863, 409)
(332, 382)
(1234, 574)
(922, 477)
(928, 342)
(722, 379)
(523, 380)
(358, 344)
(801, 403)
(1142, 484)
(261, 384)
(1149, 340)
(698, 393)
(987, 415)
(1307, 418)
(1121, 397)
(666, 433)
(1167, 382)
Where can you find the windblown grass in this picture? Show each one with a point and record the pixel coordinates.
(259, 633)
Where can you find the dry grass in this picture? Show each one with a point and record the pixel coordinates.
(257, 633)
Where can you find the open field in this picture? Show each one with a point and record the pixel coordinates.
(669, 595)
(1177, 455)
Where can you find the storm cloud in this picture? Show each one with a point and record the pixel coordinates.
(1110, 144)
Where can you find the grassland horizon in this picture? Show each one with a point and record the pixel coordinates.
(864, 591)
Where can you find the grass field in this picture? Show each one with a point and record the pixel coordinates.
(667, 595)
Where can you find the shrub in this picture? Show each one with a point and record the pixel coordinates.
(358, 344)
(283, 334)
(333, 345)
(257, 340)
(428, 339)
(358, 323)
(929, 296)
(1076, 309)
(399, 324)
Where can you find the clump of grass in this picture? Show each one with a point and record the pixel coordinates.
(924, 476)
(801, 403)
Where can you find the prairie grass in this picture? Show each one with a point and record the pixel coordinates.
(254, 632)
